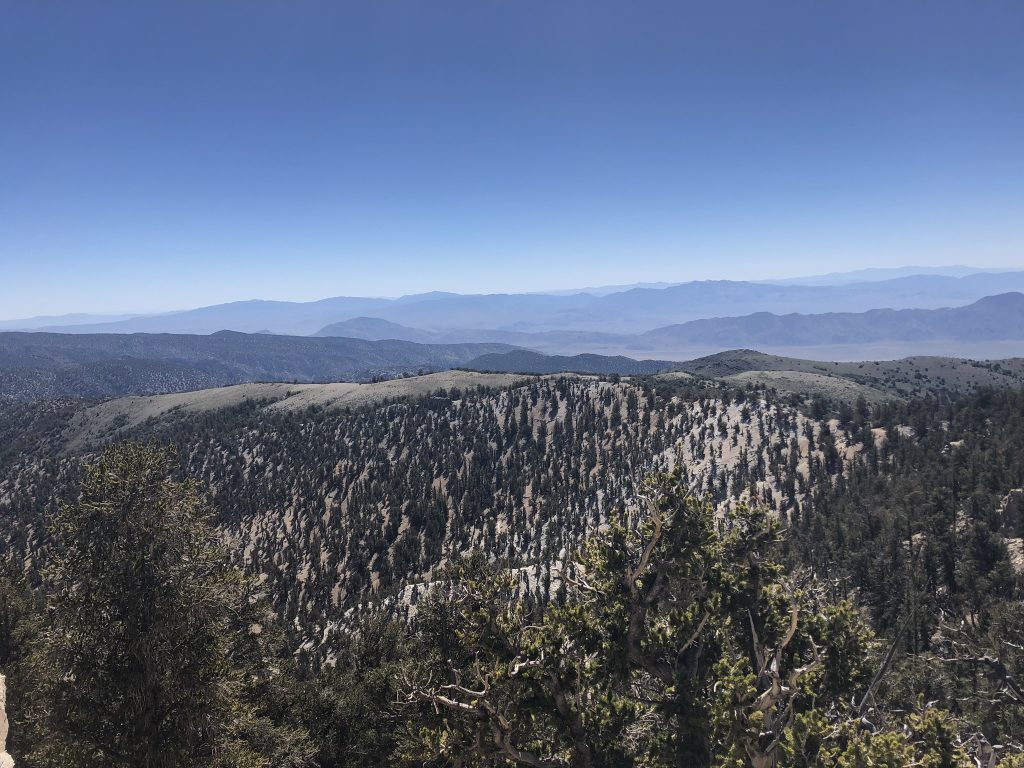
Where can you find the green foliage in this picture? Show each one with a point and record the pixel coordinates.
(928, 738)
(152, 649)
(351, 714)
(681, 642)
(20, 626)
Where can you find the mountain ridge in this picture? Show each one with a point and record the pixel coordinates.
(992, 318)
(38, 365)
(631, 311)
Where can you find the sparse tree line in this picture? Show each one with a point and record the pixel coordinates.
(867, 612)
(364, 503)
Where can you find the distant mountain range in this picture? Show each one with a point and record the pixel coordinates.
(38, 365)
(882, 273)
(998, 318)
(71, 319)
(990, 318)
(102, 365)
(632, 331)
(634, 311)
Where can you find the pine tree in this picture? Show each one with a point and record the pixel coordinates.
(151, 653)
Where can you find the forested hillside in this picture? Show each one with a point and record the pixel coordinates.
(51, 365)
(908, 377)
(525, 361)
(339, 507)
(354, 514)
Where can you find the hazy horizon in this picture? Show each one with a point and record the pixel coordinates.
(122, 313)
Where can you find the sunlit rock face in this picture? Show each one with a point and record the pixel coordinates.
(6, 761)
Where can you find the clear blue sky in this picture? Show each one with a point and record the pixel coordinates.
(158, 155)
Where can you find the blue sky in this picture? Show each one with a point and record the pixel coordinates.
(165, 155)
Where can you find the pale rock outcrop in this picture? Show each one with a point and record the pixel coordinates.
(6, 761)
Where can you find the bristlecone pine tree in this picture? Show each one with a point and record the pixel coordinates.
(680, 641)
(151, 655)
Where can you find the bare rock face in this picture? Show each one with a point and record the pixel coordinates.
(6, 761)
(1012, 509)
